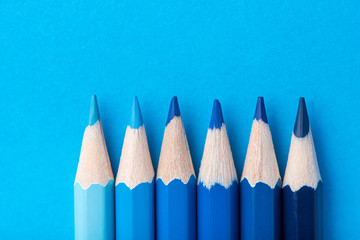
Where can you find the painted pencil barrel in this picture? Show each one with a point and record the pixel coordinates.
(218, 212)
(260, 211)
(302, 212)
(135, 212)
(94, 212)
(176, 210)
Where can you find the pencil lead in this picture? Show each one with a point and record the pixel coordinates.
(94, 111)
(260, 113)
(301, 128)
(136, 116)
(217, 119)
(174, 110)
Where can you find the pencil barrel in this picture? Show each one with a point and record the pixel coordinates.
(260, 211)
(94, 212)
(302, 213)
(135, 212)
(218, 212)
(176, 210)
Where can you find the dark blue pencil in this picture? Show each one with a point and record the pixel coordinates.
(302, 195)
(218, 188)
(175, 183)
(260, 183)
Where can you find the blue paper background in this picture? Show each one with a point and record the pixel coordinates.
(55, 54)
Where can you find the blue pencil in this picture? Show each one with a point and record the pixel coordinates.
(260, 183)
(218, 188)
(94, 184)
(302, 195)
(135, 184)
(175, 183)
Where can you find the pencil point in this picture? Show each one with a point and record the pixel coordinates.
(94, 111)
(174, 110)
(217, 119)
(301, 128)
(136, 116)
(260, 112)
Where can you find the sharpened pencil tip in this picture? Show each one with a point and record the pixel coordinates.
(301, 128)
(260, 112)
(174, 110)
(217, 119)
(136, 116)
(94, 111)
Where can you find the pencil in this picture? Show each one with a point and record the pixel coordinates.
(94, 184)
(175, 183)
(218, 188)
(302, 194)
(134, 188)
(260, 183)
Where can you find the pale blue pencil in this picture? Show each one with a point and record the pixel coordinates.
(94, 185)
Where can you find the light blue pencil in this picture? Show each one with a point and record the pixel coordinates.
(135, 184)
(94, 185)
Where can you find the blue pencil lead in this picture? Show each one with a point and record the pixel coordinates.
(260, 112)
(136, 116)
(301, 128)
(174, 110)
(217, 119)
(94, 111)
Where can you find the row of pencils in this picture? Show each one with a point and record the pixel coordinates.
(174, 205)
